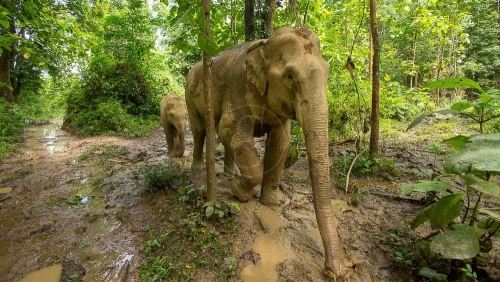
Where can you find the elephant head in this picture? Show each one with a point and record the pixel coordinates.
(290, 73)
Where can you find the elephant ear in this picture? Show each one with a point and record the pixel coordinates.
(256, 66)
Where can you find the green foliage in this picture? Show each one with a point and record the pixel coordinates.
(430, 273)
(469, 273)
(402, 247)
(159, 176)
(190, 17)
(482, 110)
(124, 80)
(364, 165)
(14, 117)
(194, 239)
(482, 61)
(466, 234)
(401, 104)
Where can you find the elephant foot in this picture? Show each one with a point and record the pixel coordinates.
(271, 197)
(243, 195)
(341, 270)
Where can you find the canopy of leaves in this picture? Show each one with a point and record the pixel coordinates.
(124, 80)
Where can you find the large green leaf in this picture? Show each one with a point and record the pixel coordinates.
(482, 153)
(207, 45)
(461, 242)
(490, 213)
(425, 186)
(462, 106)
(458, 142)
(430, 273)
(440, 213)
(470, 178)
(487, 187)
(454, 83)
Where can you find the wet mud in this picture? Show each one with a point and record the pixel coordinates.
(67, 214)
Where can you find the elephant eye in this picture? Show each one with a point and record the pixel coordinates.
(289, 76)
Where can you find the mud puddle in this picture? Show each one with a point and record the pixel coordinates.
(272, 246)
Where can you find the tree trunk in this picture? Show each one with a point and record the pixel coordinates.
(374, 134)
(233, 22)
(292, 6)
(370, 58)
(269, 12)
(17, 62)
(304, 23)
(210, 122)
(249, 20)
(5, 75)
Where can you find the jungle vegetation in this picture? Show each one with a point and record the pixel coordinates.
(103, 65)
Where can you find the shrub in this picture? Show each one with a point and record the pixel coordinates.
(159, 176)
(12, 122)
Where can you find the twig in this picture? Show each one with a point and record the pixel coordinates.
(394, 196)
(492, 209)
(350, 169)
(3, 198)
(350, 140)
(305, 13)
(431, 234)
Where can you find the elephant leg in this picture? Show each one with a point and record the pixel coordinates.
(229, 160)
(247, 161)
(225, 132)
(181, 142)
(199, 135)
(278, 138)
(242, 152)
(169, 134)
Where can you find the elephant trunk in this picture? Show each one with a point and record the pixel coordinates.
(313, 117)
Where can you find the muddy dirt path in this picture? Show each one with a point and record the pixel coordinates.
(62, 207)
(72, 205)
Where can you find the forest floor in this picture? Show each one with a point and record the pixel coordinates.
(74, 205)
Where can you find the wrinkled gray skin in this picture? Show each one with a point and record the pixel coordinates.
(257, 88)
(173, 114)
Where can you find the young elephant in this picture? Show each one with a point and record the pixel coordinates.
(173, 113)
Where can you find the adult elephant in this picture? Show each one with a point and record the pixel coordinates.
(257, 88)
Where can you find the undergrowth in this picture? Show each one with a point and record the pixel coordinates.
(160, 176)
(12, 122)
(193, 235)
(363, 166)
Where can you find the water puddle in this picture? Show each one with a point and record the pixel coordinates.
(110, 267)
(103, 225)
(271, 244)
(5, 262)
(44, 136)
(47, 274)
(50, 139)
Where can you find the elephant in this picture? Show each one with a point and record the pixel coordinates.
(173, 113)
(258, 88)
